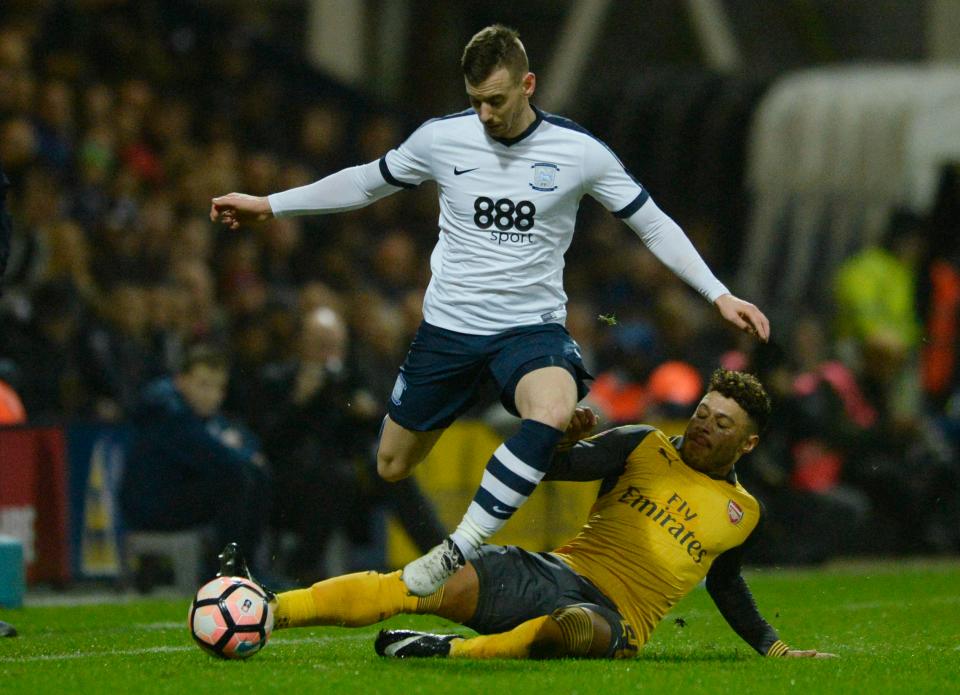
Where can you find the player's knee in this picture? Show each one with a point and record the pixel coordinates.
(391, 467)
(557, 415)
(583, 632)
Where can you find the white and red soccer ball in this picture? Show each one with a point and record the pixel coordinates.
(231, 618)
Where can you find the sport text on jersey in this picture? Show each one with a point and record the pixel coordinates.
(665, 517)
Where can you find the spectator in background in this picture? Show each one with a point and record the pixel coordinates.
(284, 262)
(36, 201)
(48, 351)
(12, 411)
(68, 258)
(251, 349)
(6, 226)
(799, 476)
(318, 426)
(121, 352)
(11, 408)
(319, 423)
(188, 465)
(941, 350)
(877, 310)
(673, 386)
(876, 290)
(904, 465)
(169, 325)
(54, 125)
(202, 313)
(18, 145)
(322, 132)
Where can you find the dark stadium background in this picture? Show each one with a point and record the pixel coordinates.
(805, 146)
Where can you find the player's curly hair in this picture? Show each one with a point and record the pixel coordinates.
(747, 391)
(492, 47)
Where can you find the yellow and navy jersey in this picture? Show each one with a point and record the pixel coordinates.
(658, 527)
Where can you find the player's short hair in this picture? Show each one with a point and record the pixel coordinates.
(204, 355)
(493, 47)
(747, 391)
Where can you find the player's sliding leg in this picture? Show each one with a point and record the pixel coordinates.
(572, 631)
(545, 399)
(364, 598)
(351, 600)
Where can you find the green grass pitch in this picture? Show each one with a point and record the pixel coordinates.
(896, 627)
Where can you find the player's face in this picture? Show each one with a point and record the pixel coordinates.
(718, 434)
(203, 388)
(502, 102)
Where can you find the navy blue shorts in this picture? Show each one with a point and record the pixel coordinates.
(445, 371)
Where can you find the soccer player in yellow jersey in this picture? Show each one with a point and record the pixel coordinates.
(669, 513)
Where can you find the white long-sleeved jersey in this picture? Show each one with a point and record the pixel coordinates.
(507, 215)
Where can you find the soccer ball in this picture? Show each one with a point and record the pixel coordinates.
(231, 618)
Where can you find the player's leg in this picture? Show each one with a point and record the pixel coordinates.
(545, 398)
(525, 605)
(364, 598)
(401, 449)
(571, 631)
(547, 395)
(437, 383)
(541, 378)
(439, 380)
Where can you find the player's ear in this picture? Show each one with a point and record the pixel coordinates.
(529, 83)
(750, 444)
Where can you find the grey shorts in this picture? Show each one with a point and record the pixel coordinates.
(517, 585)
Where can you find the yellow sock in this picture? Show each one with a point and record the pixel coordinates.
(352, 600)
(515, 644)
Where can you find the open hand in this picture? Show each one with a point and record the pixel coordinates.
(744, 316)
(581, 425)
(809, 654)
(236, 208)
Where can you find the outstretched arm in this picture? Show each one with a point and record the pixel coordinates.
(667, 242)
(347, 189)
(598, 457)
(730, 593)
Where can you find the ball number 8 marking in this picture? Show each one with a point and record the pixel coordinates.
(504, 213)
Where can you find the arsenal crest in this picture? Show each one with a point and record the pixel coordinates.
(734, 512)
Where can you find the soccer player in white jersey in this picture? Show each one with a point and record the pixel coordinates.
(510, 179)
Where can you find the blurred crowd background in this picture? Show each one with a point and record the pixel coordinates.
(120, 120)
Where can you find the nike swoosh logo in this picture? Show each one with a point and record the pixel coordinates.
(458, 172)
(500, 510)
(397, 646)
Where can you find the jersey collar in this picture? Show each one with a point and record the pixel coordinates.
(538, 119)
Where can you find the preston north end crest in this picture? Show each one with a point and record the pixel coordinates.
(544, 176)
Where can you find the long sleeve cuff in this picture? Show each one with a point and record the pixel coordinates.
(778, 648)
